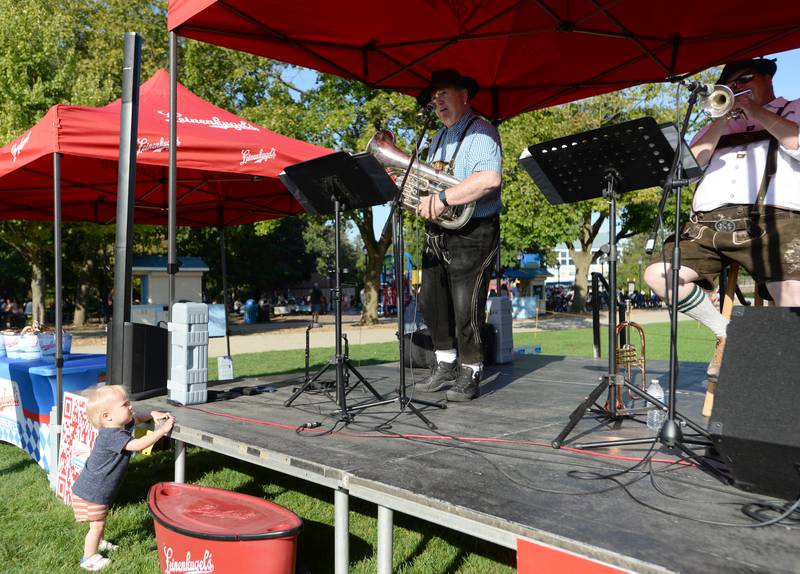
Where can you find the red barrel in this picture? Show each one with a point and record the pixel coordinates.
(210, 531)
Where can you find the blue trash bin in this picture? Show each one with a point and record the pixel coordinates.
(250, 311)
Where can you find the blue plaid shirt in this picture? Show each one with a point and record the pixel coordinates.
(481, 151)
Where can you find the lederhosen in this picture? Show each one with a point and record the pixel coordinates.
(456, 266)
(747, 234)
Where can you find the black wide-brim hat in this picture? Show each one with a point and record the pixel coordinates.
(445, 78)
(759, 65)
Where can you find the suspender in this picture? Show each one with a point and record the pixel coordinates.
(452, 163)
(771, 165)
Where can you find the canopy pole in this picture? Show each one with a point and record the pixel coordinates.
(172, 263)
(224, 259)
(126, 200)
(59, 318)
(172, 259)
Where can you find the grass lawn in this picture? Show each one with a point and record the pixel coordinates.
(39, 534)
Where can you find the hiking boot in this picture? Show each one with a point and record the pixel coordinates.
(442, 376)
(466, 387)
(713, 367)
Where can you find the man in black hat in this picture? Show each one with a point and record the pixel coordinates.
(747, 207)
(456, 264)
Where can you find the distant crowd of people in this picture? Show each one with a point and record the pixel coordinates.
(12, 316)
(315, 302)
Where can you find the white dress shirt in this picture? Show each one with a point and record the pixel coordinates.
(734, 174)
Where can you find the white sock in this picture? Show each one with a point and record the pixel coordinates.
(476, 369)
(698, 306)
(446, 356)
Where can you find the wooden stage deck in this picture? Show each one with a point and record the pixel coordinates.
(488, 469)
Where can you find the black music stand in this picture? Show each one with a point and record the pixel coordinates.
(332, 184)
(605, 162)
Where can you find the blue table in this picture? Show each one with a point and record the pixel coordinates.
(28, 394)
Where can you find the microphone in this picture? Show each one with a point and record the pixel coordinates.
(699, 88)
(429, 108)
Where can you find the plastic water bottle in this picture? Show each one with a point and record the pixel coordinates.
(655, 416)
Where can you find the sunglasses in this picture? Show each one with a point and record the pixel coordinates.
(743, 79)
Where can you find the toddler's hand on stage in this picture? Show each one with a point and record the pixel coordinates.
(165, 423)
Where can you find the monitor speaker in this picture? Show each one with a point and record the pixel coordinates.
(145, 359)
(755, 424)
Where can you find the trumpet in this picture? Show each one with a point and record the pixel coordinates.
(629, 360)
(718, 101)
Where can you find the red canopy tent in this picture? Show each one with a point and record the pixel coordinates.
(525, 54)
(227, 167)
(227, 171)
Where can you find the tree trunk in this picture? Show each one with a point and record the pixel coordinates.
(79, 319)
(37, 291)
(369, 313)
(582, 260)
(372, 272)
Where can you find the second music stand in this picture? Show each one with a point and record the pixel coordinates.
(332, 184)
(604, 163)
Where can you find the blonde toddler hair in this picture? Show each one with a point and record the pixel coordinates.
(97, 400)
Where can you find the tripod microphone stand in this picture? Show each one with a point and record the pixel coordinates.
(628, 156)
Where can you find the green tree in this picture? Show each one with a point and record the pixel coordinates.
(344, 114)
(530, 223)
(68, 51)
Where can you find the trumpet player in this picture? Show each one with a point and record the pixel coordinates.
(456, 263)
(747, 207)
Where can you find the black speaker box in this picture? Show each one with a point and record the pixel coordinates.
(144, 362)
(755, 424)
(418, 349)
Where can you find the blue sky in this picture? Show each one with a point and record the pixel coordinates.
(786, 82)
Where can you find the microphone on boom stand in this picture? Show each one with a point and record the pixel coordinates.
(427, 110)
(425, 113)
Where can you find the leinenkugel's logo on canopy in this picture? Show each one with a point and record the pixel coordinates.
(260, 157)
(17, 148)
(213, 122)
(204, 565)
(155, 147)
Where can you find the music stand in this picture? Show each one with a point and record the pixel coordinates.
(632, 155)
(332, 184)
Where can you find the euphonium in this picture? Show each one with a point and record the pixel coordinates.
(719, 101)
(423, 179)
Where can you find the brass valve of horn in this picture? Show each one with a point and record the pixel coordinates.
(423, 179)
(629, 361)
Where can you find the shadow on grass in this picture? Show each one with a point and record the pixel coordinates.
(18, 466)
(466, 544)
(316, 543)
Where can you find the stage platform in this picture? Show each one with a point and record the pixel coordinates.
(488, 469)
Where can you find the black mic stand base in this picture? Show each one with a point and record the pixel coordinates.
(404, 403)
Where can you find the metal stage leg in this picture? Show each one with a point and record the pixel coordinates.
(180, 461)
(385, 543)
(341, 502)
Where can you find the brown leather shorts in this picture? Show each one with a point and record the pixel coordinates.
(764, 240)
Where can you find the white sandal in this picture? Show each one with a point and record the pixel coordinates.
(94, 563)
(106, 546)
